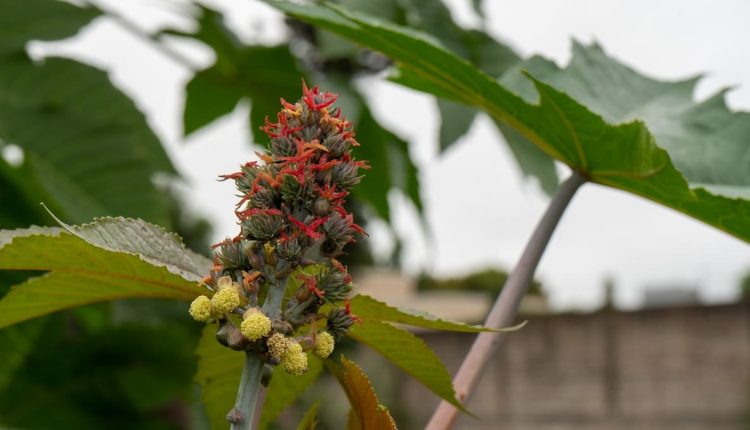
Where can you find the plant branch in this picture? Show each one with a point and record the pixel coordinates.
(246, 411)
(506, 306)
(142, 34)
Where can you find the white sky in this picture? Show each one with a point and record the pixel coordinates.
(479, 211)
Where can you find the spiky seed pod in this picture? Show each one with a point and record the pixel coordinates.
(339, 321)
(246, 176)
(262, 199)
(262, 226)
(294, 193)
(337, 145)
(283, 146)
(337, 229)
(230, 255)
(345, 175)
(289, 249)
(324, 344)
(255, 324)
(335, 284)
(294, 360)
(200, 309)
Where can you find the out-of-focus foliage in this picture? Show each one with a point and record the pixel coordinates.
(488, 281)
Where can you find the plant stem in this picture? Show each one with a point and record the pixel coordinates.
(246, 411)
(506, 306)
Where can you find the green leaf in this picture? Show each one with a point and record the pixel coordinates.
(39, 20)
(455, 121)
(16, 343)
(284, 389)
(84, 141)
(410, 353)
(219, 372)
(122, 260)
(369, 309)
(263, 74)
(623, 156)
(392, 166)
(367, 412)
(706, 141)
(310, 420)
(208, 97)
(532, 160)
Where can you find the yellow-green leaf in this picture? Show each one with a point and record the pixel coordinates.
(310, 420)
(109, 259)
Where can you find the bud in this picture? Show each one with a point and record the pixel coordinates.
(283, 146)
(339, 322)
(289, 249)
(230, 255)
(344, 175)
(236, 340)
(200, 309)
(335, 284)
(337, 145)
(295, 194)
(262, 199)
(255, 324)
(262, 226)
(324, 344)
(321, 206)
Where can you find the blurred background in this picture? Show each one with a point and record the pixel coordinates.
(639, 317)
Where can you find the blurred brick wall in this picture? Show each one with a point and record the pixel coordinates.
(679, 368)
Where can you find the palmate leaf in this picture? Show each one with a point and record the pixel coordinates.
(109, 259)
(706, 142)
(367, 413)
(624, 156)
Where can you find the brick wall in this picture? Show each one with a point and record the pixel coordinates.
(680, 368)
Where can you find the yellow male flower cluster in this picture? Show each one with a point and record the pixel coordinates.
(200, 309)
(324, 344)
(255, 324)
(288, 353)
(226, 299)
(295, 360)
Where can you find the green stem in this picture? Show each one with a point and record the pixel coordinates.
(246, 411)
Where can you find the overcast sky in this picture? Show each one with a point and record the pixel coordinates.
(604, 234)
